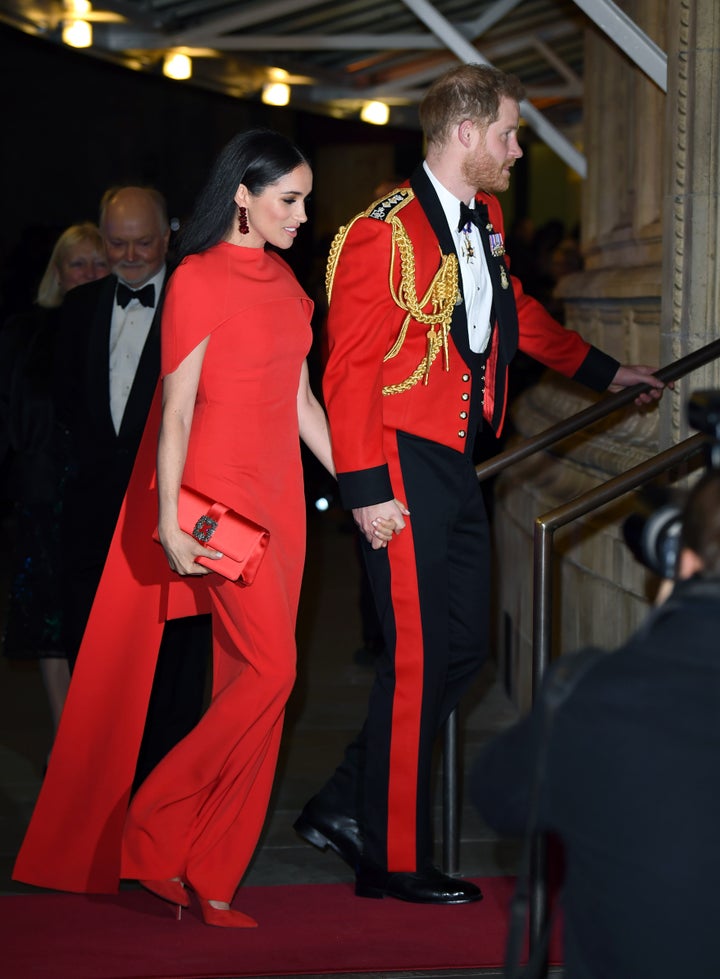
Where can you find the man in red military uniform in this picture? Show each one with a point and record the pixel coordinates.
(424, 320)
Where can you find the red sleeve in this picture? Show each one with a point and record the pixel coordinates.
(360, 325)
(544, 338)
(549, 342)
(192, 309)
(185, 318)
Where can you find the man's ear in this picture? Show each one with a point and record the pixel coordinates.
(466, 132)
(689, 563)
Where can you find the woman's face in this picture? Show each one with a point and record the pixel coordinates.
(82, 263)
(275, 214)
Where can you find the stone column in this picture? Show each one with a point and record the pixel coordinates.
(691, 207)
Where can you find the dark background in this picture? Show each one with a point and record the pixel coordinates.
(74, 125)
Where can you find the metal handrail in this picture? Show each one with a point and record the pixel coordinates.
(596, 412)
(548, 523)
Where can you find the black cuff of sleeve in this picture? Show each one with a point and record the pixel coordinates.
(365, 487)
(597, 370)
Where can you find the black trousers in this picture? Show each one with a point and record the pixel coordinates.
(177, 696)
(431, 588)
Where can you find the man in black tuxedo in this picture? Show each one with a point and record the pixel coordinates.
(108, 364)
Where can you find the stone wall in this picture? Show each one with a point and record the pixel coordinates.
(648, 294)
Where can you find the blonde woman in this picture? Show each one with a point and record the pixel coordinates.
(78, 257)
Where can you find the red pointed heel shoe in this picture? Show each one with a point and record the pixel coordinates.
(172, 891)
(224, 917)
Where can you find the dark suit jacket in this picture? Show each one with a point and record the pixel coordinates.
(101, 460)
(31, 447)
(633, 791)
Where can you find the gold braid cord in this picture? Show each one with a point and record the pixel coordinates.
(442, 293)
(334, 254)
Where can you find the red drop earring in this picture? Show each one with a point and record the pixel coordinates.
(243, 225)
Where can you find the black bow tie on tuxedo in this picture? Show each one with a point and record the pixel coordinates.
(146, 295)
(469, 215)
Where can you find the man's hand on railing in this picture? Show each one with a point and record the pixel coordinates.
(630, 374)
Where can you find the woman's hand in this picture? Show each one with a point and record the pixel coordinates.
(380, 521)
(182, 549)
(383, 531)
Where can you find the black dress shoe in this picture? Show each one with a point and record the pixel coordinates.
(330, 829)
(422, 887)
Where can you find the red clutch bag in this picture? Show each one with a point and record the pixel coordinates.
(242, 541)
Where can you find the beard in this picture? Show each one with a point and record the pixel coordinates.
(485, 173)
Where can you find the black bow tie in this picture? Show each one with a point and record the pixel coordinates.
(469, 215)
(146, 295)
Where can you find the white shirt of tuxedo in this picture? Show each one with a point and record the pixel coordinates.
(129, 330)
(476, 283)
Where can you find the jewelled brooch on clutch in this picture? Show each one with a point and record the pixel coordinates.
(204, 529)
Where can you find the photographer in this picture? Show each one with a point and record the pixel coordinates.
(632, 781)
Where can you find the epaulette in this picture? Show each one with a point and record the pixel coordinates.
(384, 208)
(435, 305)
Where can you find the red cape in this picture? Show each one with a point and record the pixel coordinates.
(74, 839)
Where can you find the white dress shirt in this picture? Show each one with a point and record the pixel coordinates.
(129, 330)
(476, 284)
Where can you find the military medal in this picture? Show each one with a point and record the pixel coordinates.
(504, 281)
(497, 247)
(468, 250)
(466, 244)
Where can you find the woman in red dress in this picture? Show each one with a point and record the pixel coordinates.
(235, 334)
(235, 397)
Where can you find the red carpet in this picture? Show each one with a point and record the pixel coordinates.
(309, 928)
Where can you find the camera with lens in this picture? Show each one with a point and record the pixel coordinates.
(654, 539)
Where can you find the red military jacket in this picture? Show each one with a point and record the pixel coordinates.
(398, 351)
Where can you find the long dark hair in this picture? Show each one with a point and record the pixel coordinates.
(256, 158)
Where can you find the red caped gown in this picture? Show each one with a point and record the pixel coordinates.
(200, 812)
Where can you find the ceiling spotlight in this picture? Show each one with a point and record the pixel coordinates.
(77, 33)
(376, 113)
(177, 66)
(276, 93)
(78, 8)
